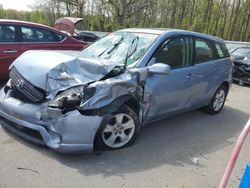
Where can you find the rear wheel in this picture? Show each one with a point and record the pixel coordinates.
(217, 102)
(120, 130)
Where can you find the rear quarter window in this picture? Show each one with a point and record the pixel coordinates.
(222, 50)
(59, 37)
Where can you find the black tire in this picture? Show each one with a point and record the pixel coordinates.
(210, 108)
(125, 109)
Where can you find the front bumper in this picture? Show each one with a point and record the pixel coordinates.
(68, 133)
(241, 72)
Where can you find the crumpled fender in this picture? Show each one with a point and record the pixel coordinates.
(108, 109)
(112, 93)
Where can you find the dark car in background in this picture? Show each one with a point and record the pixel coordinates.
(241, 59)
(17, 37)
(88, 36)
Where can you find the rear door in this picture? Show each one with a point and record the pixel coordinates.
(169, 94)
(9, 47)
(206, 71)
(33, 38)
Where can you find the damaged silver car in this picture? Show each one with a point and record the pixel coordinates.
(101, 97)
(241, 70)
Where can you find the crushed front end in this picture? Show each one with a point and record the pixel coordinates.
(69, 119)
(241, 71)
(62, 99)
(241, 59)
(26, 114)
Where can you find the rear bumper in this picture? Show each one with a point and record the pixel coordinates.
(67, 133)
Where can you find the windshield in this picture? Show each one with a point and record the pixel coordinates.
(242, 52)
(115, 47)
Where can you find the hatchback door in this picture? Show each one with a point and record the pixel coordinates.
(170, 94)
(9, 48)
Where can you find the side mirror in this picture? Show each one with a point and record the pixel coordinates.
(159, 68)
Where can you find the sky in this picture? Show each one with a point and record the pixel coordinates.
(16, 4)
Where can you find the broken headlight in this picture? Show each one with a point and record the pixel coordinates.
(71, 98)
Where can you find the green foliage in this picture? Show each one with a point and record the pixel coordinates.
(228, 19)
(108, 27)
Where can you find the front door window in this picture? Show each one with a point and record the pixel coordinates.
(176, 53)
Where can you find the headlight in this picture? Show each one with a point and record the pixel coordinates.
(72, 97)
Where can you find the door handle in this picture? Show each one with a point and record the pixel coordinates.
(10, 51)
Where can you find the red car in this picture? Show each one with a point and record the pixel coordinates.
(17, 37)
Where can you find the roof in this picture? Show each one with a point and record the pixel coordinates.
(171, 31)
(145, 30)
(26, 23)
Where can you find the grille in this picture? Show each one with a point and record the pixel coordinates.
(24, 89)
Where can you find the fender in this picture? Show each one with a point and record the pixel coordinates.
(109, 109)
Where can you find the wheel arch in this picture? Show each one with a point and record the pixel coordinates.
(226, 85)
(128, 100)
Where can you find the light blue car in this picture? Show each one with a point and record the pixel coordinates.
(101, 97)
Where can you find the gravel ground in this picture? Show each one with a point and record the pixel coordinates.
(161, 157)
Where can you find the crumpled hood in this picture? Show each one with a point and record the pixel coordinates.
(242, 60)
(53, 71)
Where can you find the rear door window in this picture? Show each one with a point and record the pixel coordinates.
(203, 51)
(33, 34)
(176, 53)
(7, 34)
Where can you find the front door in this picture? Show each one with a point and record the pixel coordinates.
(169, 94)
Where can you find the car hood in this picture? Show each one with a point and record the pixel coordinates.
(54, 71)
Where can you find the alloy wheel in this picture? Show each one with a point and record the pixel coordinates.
(219, 100)
(119, 130)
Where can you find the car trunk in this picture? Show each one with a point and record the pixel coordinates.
(67, 24)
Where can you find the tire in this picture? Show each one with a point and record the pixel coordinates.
(217, 102)
(119, 131)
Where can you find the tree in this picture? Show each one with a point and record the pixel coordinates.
(228, 19)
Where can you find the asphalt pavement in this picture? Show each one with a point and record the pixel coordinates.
(188, 150)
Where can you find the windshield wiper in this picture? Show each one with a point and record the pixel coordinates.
(112, 48)
(131, 51)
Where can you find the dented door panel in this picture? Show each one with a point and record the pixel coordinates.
(169, 93)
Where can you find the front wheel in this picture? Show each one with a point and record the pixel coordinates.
(217, 102)
(120, 130)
